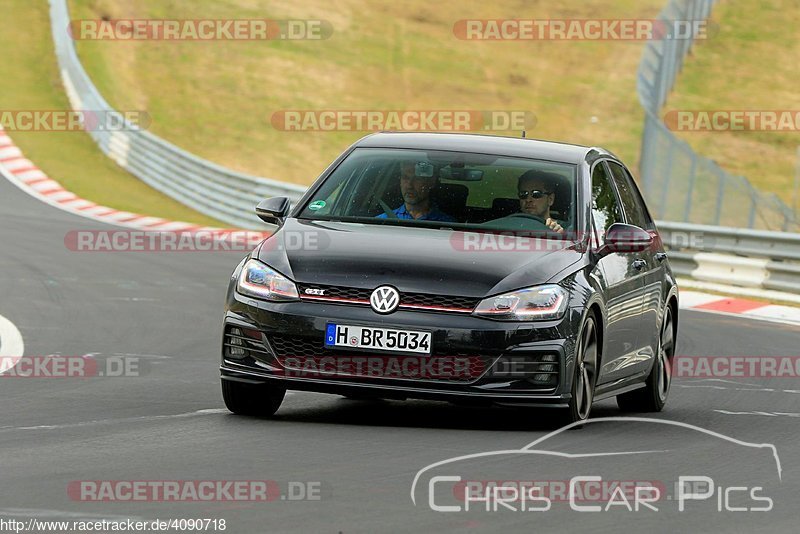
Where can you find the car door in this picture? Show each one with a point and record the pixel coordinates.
(636, 213)
(622, 281)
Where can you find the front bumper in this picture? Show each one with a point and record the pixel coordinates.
(473, 360)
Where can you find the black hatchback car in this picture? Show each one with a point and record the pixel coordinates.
(456, 267)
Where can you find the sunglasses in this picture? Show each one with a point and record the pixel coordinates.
(535, 194)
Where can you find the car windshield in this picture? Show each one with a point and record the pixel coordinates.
(447, 189)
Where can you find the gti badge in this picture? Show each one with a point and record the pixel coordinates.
(314, 291)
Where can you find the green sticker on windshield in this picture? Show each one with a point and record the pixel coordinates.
(316, 205)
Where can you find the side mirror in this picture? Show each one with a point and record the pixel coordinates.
(625, 238)
(273, 210)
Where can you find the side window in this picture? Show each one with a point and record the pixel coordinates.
(605, 207)
(635, 210)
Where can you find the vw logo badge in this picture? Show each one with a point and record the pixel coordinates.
(384, 299)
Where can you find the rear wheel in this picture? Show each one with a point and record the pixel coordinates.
(653, 396)
(585, 376)
(252, 399)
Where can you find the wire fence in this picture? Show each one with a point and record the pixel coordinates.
(679, 184)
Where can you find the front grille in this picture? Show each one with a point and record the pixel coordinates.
(438, 301)
(294, 346)
(308, 357)
(352, 295)
(349, 293)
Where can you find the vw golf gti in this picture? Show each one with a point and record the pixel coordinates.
(456, 267)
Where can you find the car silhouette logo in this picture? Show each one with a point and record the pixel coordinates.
(384, 299)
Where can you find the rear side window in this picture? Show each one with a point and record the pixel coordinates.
(632, 202)
(605, 207)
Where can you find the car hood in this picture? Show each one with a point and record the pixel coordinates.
(423, 260)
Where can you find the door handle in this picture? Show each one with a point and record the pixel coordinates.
(639, 264)
(661, 256)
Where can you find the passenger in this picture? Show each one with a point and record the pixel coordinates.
(536, 190)
(416, 191)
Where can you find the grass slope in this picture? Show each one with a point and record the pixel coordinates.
(216, 98)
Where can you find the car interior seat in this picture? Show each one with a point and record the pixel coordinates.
(451, 199)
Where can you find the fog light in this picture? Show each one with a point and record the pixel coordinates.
(235, 352)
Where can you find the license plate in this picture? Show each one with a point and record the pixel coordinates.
(367, 337)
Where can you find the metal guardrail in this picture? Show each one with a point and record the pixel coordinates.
(734, 256)
(211, 189)
(740, 241)
(679, 184)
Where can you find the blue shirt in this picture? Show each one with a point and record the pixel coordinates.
(434, 215)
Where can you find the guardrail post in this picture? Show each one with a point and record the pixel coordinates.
(796, 184)
(645, 161)
(680, 44)
(720, 193)
(690, 189)
(667, 178)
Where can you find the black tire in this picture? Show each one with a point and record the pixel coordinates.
(584, 377)
(653, 396)
(252, 399)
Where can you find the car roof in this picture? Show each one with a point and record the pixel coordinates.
(484, 144)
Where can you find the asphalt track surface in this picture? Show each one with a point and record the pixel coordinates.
(169, 423)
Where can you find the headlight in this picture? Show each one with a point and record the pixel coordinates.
(532, 304)
(258, 280)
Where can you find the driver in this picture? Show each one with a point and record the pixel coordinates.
(536, 190)
(417, 182)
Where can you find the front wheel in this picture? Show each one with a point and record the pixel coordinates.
(252, 399)
(653, 396)
(585, 375)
